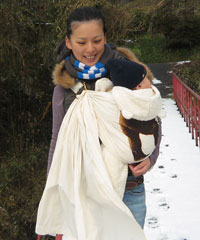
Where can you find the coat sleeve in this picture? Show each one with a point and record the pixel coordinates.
(58, 115)
(155, 154)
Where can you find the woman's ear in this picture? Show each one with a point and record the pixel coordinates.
(68, 43)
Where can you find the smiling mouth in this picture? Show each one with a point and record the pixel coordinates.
(89, 57)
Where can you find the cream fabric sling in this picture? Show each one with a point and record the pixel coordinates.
(79, 200)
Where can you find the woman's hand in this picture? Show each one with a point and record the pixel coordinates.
(141, 168)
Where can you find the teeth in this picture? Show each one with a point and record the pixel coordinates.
(91, 57)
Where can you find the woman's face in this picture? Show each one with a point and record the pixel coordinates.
(87, 41)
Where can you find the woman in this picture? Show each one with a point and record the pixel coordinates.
(82, 60)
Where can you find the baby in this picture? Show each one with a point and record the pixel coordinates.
(139, 103)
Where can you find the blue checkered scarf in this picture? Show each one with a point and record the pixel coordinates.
(79, 70)
(83, 71)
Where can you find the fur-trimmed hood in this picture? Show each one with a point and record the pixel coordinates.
(61, 76)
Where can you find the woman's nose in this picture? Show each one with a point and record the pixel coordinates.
(90, 47)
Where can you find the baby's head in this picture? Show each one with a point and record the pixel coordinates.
(126, 73)
(145, 83)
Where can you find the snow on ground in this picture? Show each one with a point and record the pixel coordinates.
(172, 186)
(156, 81)
(182, 62)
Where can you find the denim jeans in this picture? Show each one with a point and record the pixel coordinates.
(135, 201)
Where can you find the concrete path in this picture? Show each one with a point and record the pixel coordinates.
(163, 72)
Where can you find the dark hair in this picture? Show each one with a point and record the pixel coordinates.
(78, 15)
(84, 14)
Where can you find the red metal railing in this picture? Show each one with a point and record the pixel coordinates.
(188, 103)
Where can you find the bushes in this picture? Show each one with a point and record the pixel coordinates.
(140, 22)
(179, 21)
(25, 73)
(181, 31)
(22, 179)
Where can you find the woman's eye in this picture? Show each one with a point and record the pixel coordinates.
(81, 43)
(97, 41)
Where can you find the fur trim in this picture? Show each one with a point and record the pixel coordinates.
(62, 77)
(127, 53)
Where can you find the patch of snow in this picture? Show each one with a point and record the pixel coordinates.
(173, 209)
(156, 81)
(182, 62)
(169, 71)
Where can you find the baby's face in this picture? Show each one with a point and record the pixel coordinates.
(146, 83)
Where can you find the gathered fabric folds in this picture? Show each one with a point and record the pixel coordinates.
(79, 200)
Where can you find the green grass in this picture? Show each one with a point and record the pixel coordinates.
(152, 49)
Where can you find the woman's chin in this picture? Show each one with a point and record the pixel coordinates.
(90, 62)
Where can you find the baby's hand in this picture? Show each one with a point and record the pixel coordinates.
(126, 114)
(103, 85)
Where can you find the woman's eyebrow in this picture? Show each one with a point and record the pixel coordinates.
(83, 38)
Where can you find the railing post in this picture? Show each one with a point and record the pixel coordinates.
(188, 103)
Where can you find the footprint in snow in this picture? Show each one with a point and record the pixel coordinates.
(162, 168)
(173, 175)
(156, 190)
(164, 237)
(162, 203)
(152, 222)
